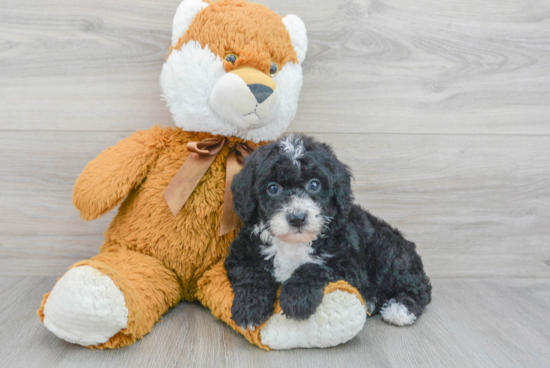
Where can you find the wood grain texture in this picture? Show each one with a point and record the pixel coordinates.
(441, 108)
(476, 206)
(382, 66)
(471, 323)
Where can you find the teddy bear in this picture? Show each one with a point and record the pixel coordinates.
(231, 81)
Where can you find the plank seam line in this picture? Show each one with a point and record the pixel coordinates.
(290, 131)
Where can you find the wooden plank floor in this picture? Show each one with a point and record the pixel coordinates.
(465, 206)
(441, 108)
(471, 323)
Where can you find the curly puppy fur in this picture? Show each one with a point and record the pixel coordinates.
(301, 231)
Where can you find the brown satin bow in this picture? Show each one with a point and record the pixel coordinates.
(201, 156)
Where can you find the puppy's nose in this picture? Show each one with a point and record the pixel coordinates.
(297, 219)
(260, 91)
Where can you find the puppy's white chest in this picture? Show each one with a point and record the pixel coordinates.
(287, 257)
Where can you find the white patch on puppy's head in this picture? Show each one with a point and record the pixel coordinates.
(294, 147)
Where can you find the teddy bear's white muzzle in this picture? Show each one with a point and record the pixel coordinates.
(247, 106)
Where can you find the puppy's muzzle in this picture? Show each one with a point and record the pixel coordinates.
(297, 221)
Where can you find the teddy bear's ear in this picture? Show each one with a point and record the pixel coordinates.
(298, 35)
(184, 17)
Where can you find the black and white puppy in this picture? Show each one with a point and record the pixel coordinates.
(301, 231)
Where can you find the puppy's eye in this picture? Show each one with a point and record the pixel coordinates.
(231, 58)
(313, 186)
(273, 189)
(274, 69)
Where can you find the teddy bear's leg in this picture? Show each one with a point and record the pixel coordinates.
(110, 300)
(339, 318)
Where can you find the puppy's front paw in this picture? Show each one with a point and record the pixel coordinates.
(251, 309)
(299, 301)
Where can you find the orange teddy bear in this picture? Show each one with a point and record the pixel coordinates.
(232, 81)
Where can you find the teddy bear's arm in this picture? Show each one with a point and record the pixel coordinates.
(108, 178)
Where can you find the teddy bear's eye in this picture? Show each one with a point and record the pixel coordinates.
(231, 58)
(274, 69)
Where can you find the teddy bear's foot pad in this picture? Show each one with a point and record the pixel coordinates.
(85, 307)
(339, 318)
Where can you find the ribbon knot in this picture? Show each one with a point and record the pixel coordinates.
(201, 155)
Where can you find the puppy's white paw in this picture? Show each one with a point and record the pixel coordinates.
(396, 314)
(339, 318)
(85, 307)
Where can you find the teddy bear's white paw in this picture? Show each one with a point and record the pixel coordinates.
(396, 314)
(339, 318)
(85, 307)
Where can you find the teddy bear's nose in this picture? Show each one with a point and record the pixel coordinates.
(260, 91)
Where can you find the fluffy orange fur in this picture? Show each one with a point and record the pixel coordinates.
(154, 258)
(234, 27)
(157, 259)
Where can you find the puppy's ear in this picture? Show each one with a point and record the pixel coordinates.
(342, 187)
(244, 198)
